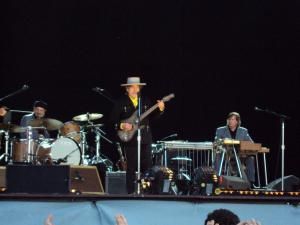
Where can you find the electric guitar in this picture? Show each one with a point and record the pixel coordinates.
(126, 136)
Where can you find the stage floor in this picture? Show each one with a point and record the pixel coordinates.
(95, 209)
(243, 198)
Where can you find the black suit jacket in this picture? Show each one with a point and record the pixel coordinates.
(124, 108)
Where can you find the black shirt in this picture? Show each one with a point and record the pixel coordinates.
(232, 133)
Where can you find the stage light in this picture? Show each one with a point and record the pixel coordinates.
(158, 180)
(205, 181)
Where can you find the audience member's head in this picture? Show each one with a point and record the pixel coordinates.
(222, 217)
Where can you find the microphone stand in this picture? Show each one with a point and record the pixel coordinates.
(104, 95)
(24, 88)
(139, 139)
(282, 121)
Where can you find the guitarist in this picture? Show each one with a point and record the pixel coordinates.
(123, 109)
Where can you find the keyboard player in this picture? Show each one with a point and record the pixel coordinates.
(233, 130)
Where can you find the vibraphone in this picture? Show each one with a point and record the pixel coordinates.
(184, 156)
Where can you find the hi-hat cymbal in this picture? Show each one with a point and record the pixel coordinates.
(18, 129)
(48, 123)
(15, 128)
(4, 126)
(87, 116)
(12, 128)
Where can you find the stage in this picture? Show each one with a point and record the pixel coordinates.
(73, 209)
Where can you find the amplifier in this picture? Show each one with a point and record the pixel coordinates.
(115, 182)
(50, 179)
(85, 179)
(37, 179)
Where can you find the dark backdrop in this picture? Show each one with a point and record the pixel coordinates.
(216, 56)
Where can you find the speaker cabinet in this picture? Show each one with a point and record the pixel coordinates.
(2, 177)
(85, 179)
(50, 179)
(234, 183)
(115, 182)
(291, 183)
(37, 179)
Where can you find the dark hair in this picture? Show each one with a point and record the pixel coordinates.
(237, 116)
(41, 104)
(223, 217)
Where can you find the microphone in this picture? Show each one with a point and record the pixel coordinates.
(258, 109)
(97, 89)
(170, 136)
(25, 87)
(62, 160)
(59, 161)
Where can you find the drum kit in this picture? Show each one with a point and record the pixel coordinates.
(70, 147)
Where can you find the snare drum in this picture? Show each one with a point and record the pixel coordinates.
(72, 130)
(20, 151)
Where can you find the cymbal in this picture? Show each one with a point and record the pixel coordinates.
(12, 127)
(48, 123)
(15, 128)
(87, 116)
(4, 126)
(94, 125)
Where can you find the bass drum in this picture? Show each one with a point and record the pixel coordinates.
(64, 151)
(43, 156)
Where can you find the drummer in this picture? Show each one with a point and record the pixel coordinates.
(39, 111)
(3, 110)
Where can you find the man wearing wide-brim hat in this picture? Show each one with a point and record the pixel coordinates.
(123, 109)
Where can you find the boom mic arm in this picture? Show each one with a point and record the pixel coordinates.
(24, 88)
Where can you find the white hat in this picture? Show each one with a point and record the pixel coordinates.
(132, 81)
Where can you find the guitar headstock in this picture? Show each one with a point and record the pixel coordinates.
(168, 97)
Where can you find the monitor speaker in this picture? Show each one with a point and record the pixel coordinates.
(234, 183)
(291, 183)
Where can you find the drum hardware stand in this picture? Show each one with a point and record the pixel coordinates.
(5, 155)
(99, 134)
(7, 146)
(20, 111)
(83, 148)
(23, 88)
(29, 139)
(8, 149)
(282, 137)
(97, 158)
(84, 143)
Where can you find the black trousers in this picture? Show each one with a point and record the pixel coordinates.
(131, 156)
